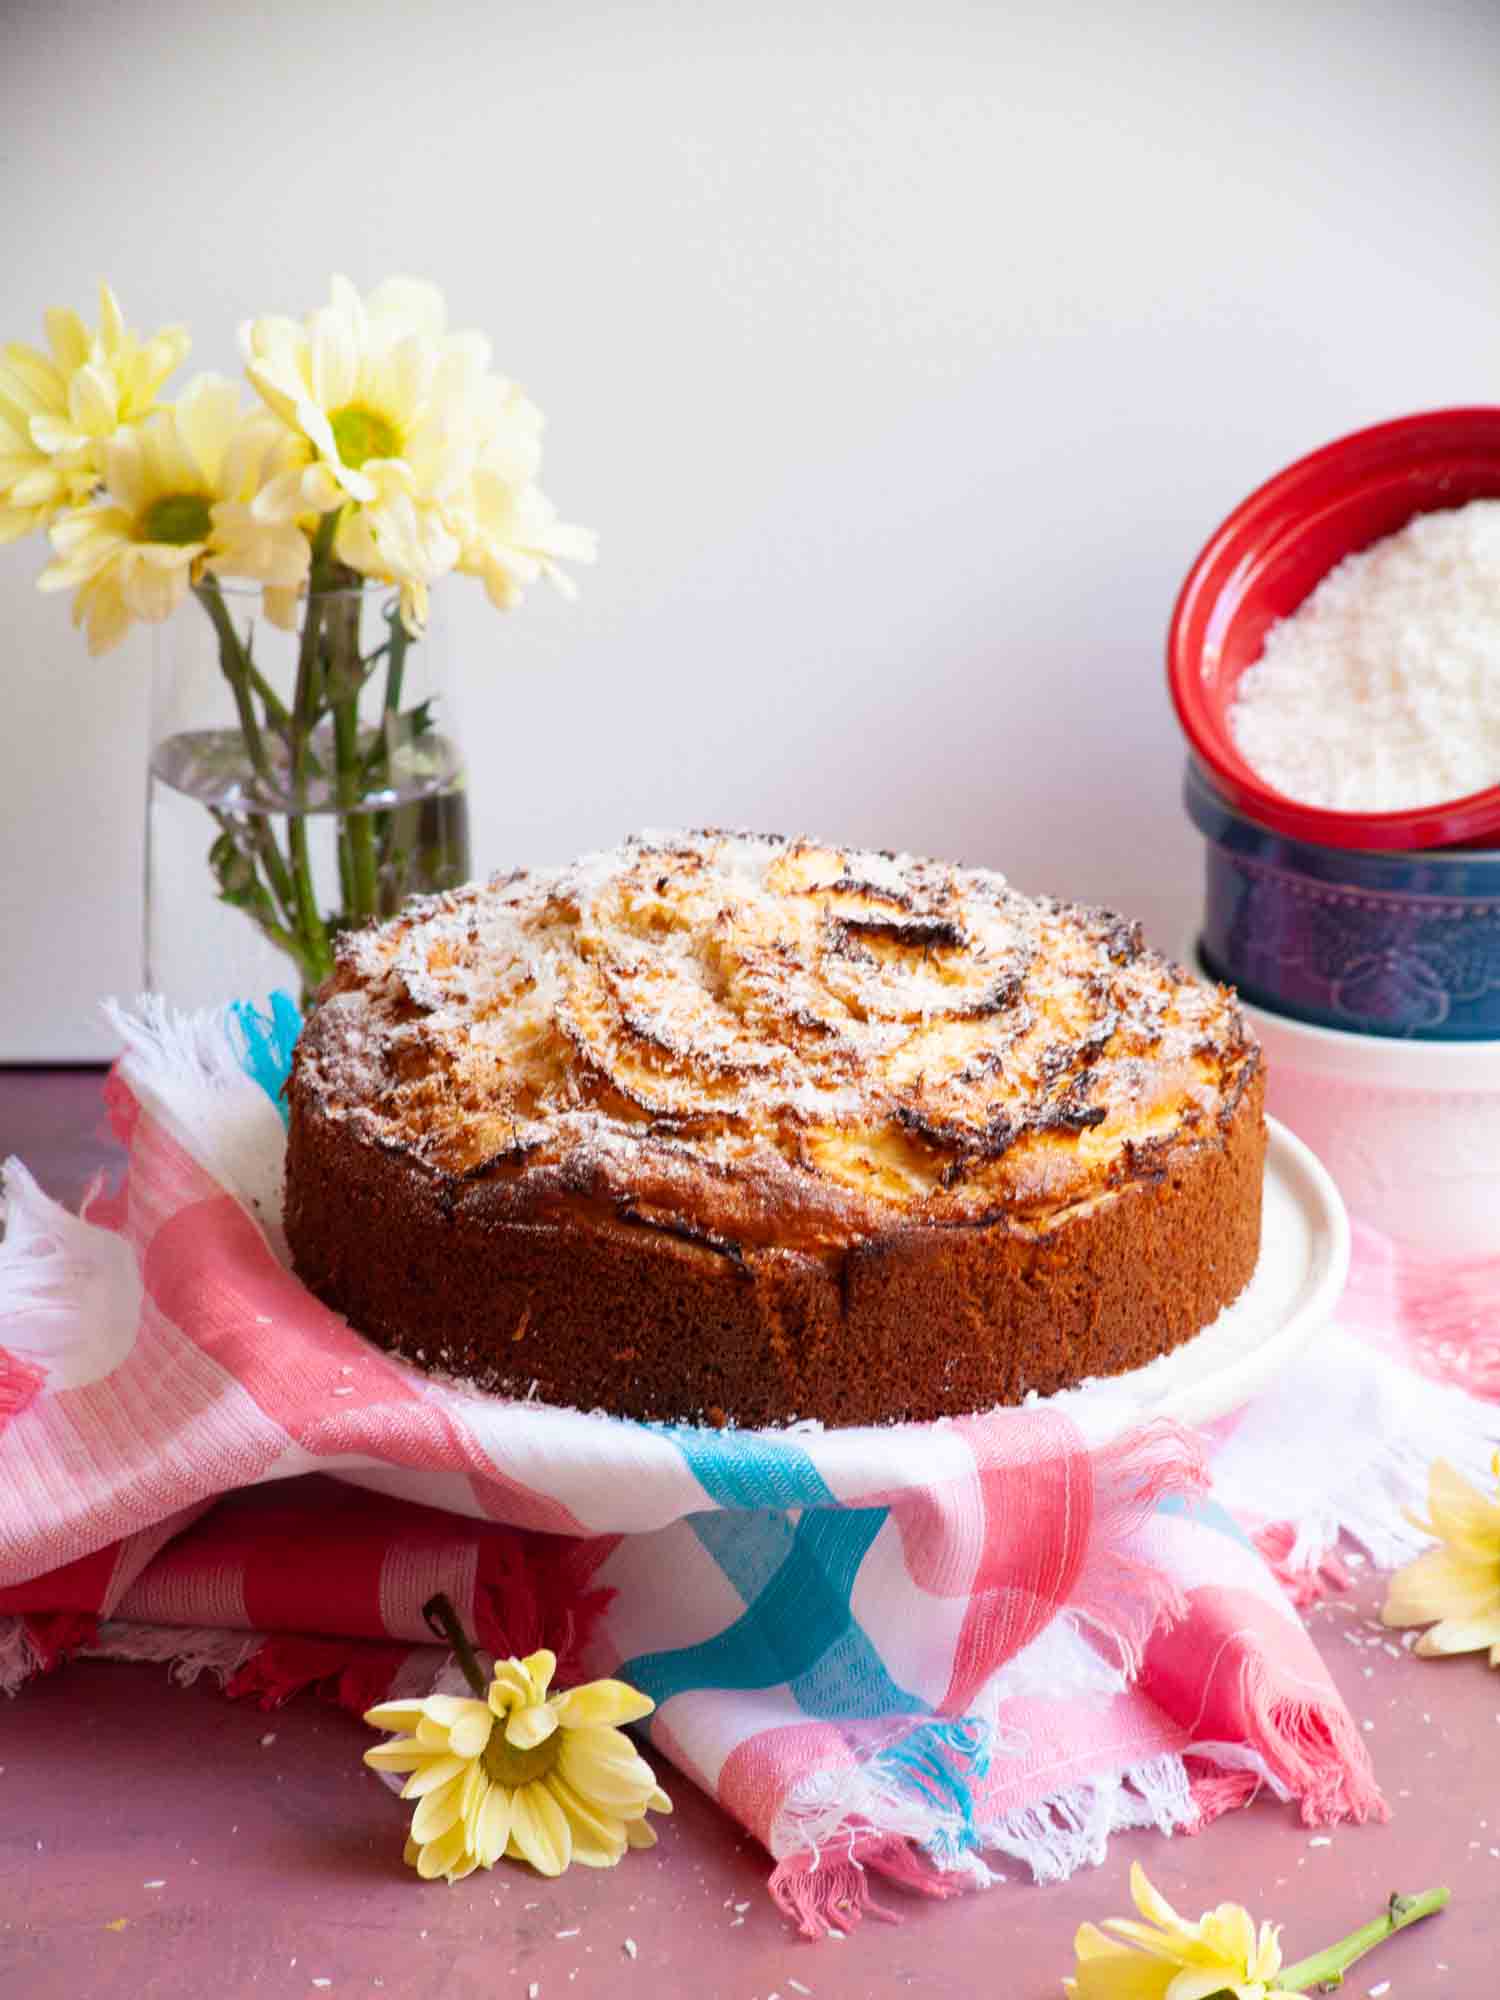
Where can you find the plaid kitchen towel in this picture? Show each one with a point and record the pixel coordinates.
(908, 1652)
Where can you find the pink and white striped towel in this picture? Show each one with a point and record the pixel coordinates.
(905, 1652)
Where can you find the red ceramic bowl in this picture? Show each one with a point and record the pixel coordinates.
(1272, 552)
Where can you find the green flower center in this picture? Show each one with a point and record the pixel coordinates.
(507, 1765)
(178, 518)
(361, 434)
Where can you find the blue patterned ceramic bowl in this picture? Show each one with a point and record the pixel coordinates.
(1381, 944)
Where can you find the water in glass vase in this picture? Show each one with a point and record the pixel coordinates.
(234, 868)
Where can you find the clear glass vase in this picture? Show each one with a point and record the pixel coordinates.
(299, 782)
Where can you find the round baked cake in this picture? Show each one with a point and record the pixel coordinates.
(737, 1129)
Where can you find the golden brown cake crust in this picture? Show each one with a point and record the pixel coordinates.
(728, 1127)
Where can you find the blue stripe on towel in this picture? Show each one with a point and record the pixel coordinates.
(798, 1627)
(739, 1469)
(936, 1762)
(264, 1043)
(1204, 1514)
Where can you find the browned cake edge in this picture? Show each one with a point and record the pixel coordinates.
(584, 1308)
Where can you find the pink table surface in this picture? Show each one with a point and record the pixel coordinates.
(160, 1841)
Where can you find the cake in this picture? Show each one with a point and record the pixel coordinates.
(728, 1128)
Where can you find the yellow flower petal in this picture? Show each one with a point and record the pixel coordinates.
(111, 320)
(1229, 1932)
(1152, 1905)
(100, 604)
(491, 1830)
(439, 1808)
(403, 1715)
(1461, 1514)
(1266, 1962)
(445, 1708)
(437, 1772)
(510, 1684)
(333, 359)
(599, 1704)
(526, 1727)
(619, 1787)
(281, 607)
(540, 1667)
(598, 1838)
(446, 1852)
(1109, 1972)
(470, 1732)
(403, 1755)
(32, 380)
(1440, 1584)
(1207, 1982)
(639, 1833)
(153, 590)
(281, 498)
(69, 337)
(1461, 1635)
(539, 1830)
(93, 401)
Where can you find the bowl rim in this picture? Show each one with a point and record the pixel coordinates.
(1448, 823)
(1201, 782)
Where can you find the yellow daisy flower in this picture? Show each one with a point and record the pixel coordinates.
(178, 500)
(1167, 1958)
(1454, 1589)
(430, 459)
(514, 536)
(544, 1778)
(382, 402)
(57, 409)
(509, 529)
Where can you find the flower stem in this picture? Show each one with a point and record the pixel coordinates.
(1325, 1970)
(442, 1620)
(310, 925)
(395, 667)
(235, 666)
(345, 675)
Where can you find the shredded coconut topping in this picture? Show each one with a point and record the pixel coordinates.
(1382, 692)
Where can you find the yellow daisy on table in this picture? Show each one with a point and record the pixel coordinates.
(58, 408)
(544, 1778)
(177, 502)
(1455, 1588)
(1167, 1958)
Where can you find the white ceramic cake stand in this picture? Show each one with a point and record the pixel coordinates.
(1304, 1261)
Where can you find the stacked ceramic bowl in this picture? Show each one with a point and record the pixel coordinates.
(1366, 945)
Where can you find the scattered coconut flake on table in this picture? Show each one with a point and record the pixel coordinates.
(1382, 691)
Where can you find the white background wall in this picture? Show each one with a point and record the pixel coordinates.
(902, 355)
